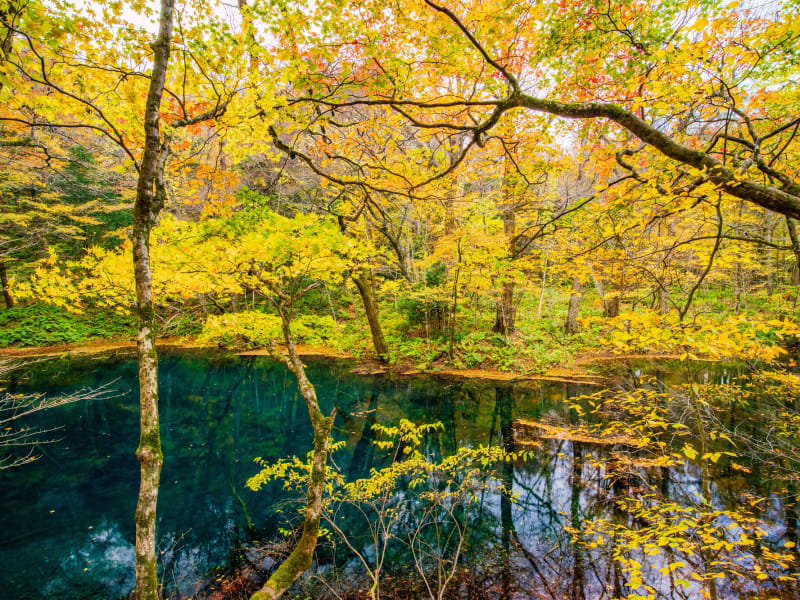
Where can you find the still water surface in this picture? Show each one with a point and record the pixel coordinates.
(67, 530)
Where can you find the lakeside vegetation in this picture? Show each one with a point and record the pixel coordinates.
(339, 324)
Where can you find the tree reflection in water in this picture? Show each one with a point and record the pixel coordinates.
(219, 413)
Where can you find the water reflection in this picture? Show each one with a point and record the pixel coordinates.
(67, 529)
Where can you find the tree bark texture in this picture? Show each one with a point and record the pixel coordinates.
(791, 225)
(364, 284)
(301, 557)
(505, 320)
(4, 283)
(571, 325)
(149, 200)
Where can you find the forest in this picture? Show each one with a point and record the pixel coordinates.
(427, 298)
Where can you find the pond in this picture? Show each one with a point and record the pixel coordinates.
(67, 530)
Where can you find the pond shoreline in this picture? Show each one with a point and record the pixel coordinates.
(579, 371)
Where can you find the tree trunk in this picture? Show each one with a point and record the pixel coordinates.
(299, 561)
(505, 321)
(4, 282)
(454, 309)
(611, 307)
(792, 516)
(737, 289)
(770, 272)
(791, 225)
(364, 284)
(544, 288)
(149, 200)
(663, 300)
(571, 325)
(9, 13)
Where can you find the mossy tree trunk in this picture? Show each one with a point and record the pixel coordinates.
(363, 282)
(301, 557)
(149, 200)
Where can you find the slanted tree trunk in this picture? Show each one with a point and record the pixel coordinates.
(4, 282)
(150, 193)
(571, 325)
(364, 284)
(505, 320)
(300, 559)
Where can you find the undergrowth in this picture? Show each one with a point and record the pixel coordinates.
(44, 324)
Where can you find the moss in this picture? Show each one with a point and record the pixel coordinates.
(299, 561)
(262, 595)
(147, 584)
(150, 441)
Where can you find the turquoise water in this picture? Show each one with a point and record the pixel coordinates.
(66, 528)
